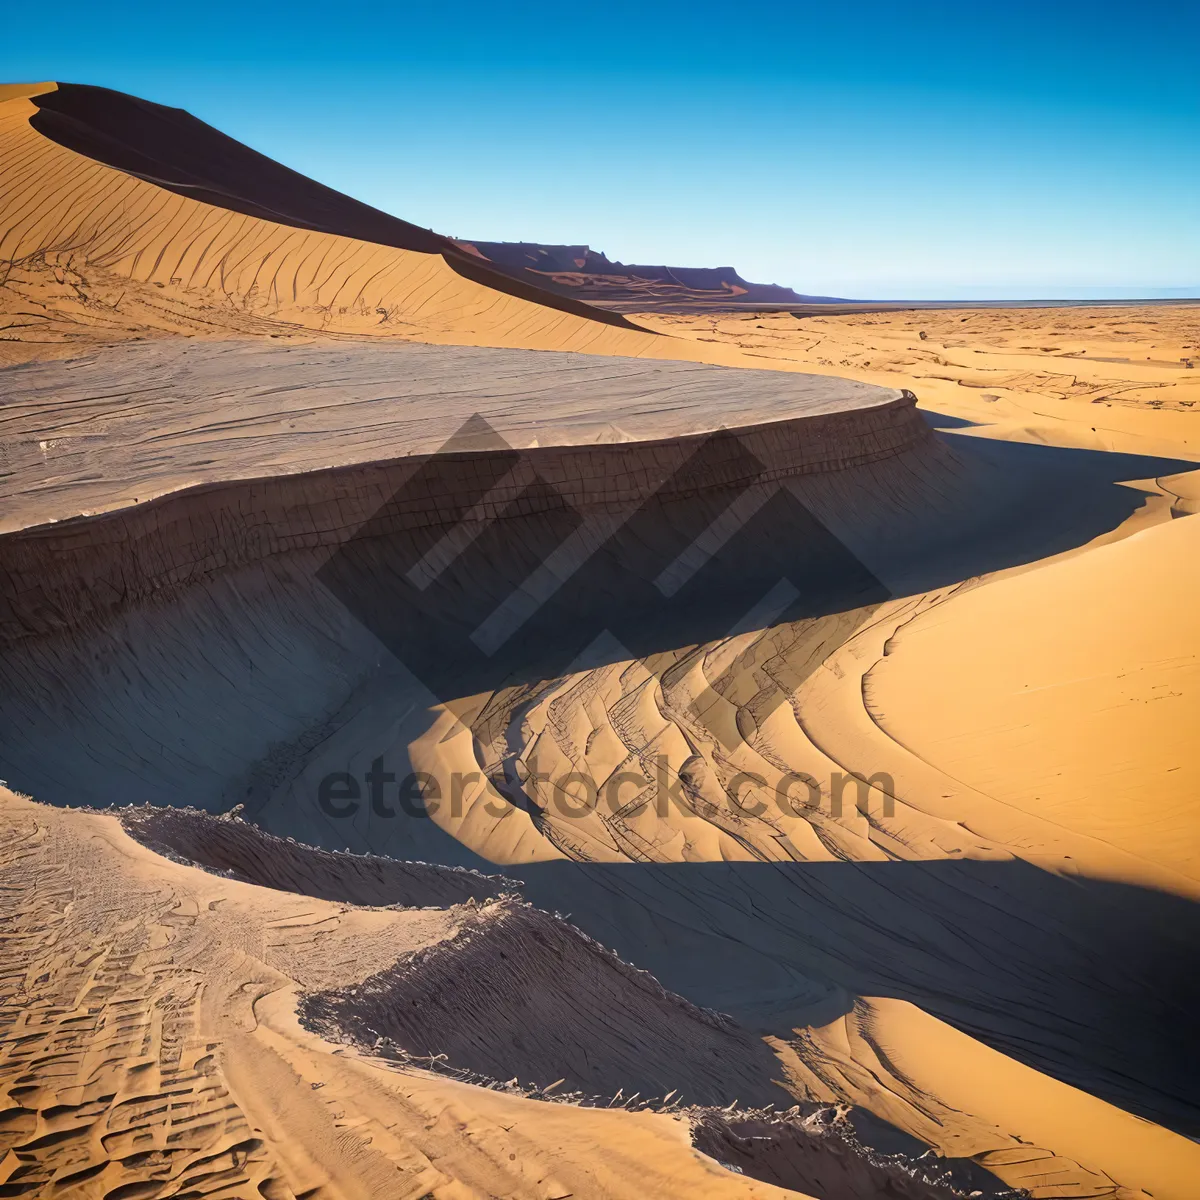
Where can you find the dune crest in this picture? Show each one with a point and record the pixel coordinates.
(105, 242)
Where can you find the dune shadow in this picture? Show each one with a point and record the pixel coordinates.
(471, 605)
(1092, 982)
(941, 420)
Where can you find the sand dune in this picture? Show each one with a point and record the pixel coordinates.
(164, 997)
(81, 225)
(235, 573)
(126, 219)
(180, 1065)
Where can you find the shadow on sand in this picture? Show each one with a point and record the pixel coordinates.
(1094, 983)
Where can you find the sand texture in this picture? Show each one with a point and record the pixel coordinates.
(210, 412)
(807, 762)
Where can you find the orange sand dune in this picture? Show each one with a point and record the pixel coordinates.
(1083, 711)
(232, 573)
(180, 1011)
(99, 253)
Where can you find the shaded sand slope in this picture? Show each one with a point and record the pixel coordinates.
(967, 941)
(1083, 711)
(240, 851)
(492, 1000)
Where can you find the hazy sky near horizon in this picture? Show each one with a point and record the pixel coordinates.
(1015, 150)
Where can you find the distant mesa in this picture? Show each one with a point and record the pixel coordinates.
(586, 274)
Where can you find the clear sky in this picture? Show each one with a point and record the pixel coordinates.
(876, 149)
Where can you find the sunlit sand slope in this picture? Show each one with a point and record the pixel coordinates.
(952, 1092)
(1071, 692)
(233, 243)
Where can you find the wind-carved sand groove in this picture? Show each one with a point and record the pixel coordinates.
(159, 1055)
(127, 1075)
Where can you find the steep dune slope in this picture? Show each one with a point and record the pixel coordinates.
(122, 218)
(511, 993)
(75, 221)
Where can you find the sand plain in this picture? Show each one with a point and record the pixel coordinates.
(985, 951)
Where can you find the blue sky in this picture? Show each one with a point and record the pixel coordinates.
(927, 150)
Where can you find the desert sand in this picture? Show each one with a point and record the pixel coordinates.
(292, 496)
